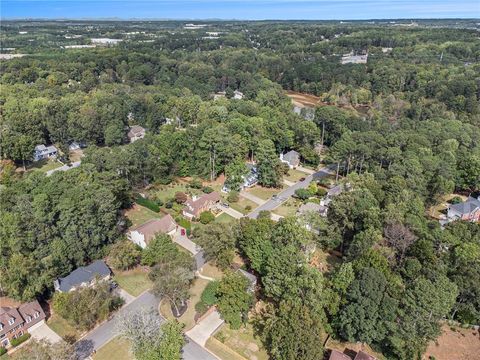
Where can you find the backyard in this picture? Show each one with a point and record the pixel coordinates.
(116, 349)
(224, 218)
(133, 281)
(138, 215)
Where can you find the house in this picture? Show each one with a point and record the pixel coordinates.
(337, 355)
(468, 210)
(252, 279)
(44, 152)
(364, 356)
(194, 207)
(238, 95)
(83, 276)
(76, 145)
(354, 59)
(16, 321)
(292, 158)
(143, 234)
(249, 180)
(313, 207)
(136, 132)
(219, 95)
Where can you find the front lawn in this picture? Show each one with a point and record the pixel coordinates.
(295, 175)
(133, 281)
(62, 327)
(222, 351)
(242, 204)
(188, 317)
(263, 192)
(242, 341)
(210, 270)
(288, 208)
(116, 349)
(224, 218)
(45, 165)
(139, 215)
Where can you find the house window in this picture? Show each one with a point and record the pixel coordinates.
(20, 333)
(29, 318)
(11, 321)
(36, 315)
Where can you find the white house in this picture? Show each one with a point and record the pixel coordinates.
(238, 95)
(292, 158)
(44, 152)
(143, 234)
(136, 132)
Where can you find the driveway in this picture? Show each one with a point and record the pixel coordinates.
(288, 192)
(253, 198)
(232, 212)
(205, 328)
(101, 335)
(64, 168)
(185, 242)
(43, 332)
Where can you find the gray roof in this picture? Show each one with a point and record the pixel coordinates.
(310, 207)
(83, 274)
(466, 207)
(336, 190)
(292, 157)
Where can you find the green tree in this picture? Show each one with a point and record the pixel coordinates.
(218, 242)
(123, 255)
(235, 173)
(234, 300)
(268, 165)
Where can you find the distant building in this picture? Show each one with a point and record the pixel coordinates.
(83, 277)
(252, 279)
(143, 234)
(312, 207)
(106, 41)
(219, 95)
(76, 145)
(238, 95)
(195, 206)
(44, 152)
(249, 180)
(136, 132)
(16, 321)
(337, 355)
(354, 59)
(468, 210)
(292, 158)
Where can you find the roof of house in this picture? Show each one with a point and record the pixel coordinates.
(292, 157)
(135, 130)
(156, 226)
(83, 274)
(7, 313)
(310, 207)
(364, 356)
(29, 309)
(337, 355)
(194, 206)
(466, 207)
(43, 148)
(250, 277)
(336, 190)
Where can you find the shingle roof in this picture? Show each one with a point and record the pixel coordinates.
(29, 309)
(135, 130)
(155, 226)
(364, 356)
(466, 207)
(292, 157)
(337, 355)
(7, 313)
(83, 274)
(194, 206)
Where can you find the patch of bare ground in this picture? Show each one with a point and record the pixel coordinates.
(455, 344)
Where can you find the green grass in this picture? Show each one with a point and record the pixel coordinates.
(167, 192)
(295, 175)
(116, 349)
(221, 350)
(139, 215)
(264, 193)
(224, 218)
(242, 203)
(62, 327)
(242, 341)
(288, 208)
(134, 281)
(45, 165)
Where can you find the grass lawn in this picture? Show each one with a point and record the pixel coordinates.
(139, 215)
(242, 341)
(44, 165)
(116, 349)
(295, 175)
(62, 327)
(224, 218)
(133, 281)
(288, 208)
(242, 203)
(221, 350)
(262, 192)
(167, 192)
(210, 270)
(188, 317)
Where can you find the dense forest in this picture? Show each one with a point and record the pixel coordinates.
(402, 129)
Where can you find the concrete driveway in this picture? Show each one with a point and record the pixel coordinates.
(205, 328)
(232, 212)
(185, 242)
(43, 332)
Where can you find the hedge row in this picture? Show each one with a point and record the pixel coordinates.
(20, 339)
(2, 351)
(149, 204)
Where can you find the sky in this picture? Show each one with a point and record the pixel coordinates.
(240, 9)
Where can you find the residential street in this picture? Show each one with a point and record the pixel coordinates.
(287, 193)
(107, 331)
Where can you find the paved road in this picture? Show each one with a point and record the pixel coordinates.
(288, 192)
(107, 331)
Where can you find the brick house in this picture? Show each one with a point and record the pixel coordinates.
(16, 321)
(194, 207)
(143, 234)
(468, 210)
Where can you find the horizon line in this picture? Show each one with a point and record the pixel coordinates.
(222, 19)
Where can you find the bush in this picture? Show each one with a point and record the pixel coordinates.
(209, 294)
(207, 190)
(169, 204)
(124, 255)
(302, 194)
(233, 196)
(181, 197)
(20, 339)
(248, 208)
(159, 202)
(2, 351)
(201, 308)
(321, 192)
(206, 217)
(149, 204)
(455, 200)
(196, 184)
(264, 214)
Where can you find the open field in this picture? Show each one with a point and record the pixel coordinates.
(242, 341)
(116, 349)
(62, 327)
(133, 281)
(138, 215)
(188, 317)
(455, 343)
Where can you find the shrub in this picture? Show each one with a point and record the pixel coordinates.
(264, 214)
(180, 197)
(201, 308)
(2, 351)
(20, 339)
(248, 208)
(206, 217)
(323, 182)
(207, 189)
(321, 192)
(209, 294)
(233, 196)
(169, 204)
(455, 200)
(302, 194)
(195, 184)
(124, 255)
(149, 204)
(158, 202)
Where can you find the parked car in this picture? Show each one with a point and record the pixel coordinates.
(113, 285)
(302, 179)
(227, 205)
